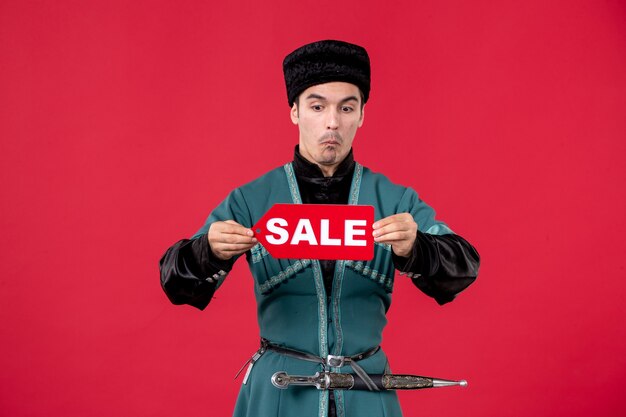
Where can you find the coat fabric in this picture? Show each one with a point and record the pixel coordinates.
(295, 310)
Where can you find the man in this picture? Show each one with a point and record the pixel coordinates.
(310, 309)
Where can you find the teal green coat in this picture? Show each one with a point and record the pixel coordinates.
(292, 303)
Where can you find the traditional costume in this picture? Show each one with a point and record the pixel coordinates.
(321, 315)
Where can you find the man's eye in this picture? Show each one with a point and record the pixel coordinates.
(346, 109)
(317, 107)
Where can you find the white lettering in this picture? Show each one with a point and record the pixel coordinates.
(273, 227)
(351, 232)
(324, 239)
(304, 231)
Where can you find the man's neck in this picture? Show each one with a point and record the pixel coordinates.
(328, 170)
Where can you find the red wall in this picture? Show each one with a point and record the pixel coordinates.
(123, 123)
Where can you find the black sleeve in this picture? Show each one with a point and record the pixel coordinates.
(441, 266)
(190, 273)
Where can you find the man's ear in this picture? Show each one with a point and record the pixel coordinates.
(362, 116)
(294, 114)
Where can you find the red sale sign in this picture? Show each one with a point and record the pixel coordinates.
(317, 231)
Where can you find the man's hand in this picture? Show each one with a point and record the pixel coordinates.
(229, 238)
(399, 231)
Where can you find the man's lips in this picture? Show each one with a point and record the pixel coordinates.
(331, 141)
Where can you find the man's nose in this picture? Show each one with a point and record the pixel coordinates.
(332, 121)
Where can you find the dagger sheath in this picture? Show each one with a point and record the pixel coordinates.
(333, 381)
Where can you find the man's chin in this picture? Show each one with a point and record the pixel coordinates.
(329, 157)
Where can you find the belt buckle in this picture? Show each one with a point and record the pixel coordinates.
(335, 361)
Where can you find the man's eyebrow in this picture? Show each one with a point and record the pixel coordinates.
(314, 96)
(351, 98)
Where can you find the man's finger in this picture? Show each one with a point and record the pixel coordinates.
(394, 237)
(229, 238)
(393, 227)
(232, 227)
(234, 247)
(384, 222)
(399, 218)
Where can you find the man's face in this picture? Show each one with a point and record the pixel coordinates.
(327, 116)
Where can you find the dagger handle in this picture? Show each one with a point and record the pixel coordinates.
(282, 380)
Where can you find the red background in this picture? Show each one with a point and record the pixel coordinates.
(123, 124)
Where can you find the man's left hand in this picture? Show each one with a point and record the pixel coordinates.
(398, 230)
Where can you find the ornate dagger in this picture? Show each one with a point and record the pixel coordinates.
(333, 380)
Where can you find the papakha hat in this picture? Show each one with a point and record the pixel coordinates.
(326, 61)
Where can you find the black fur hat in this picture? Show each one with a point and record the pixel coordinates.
(323, 62)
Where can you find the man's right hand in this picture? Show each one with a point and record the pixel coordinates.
(229, 238)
